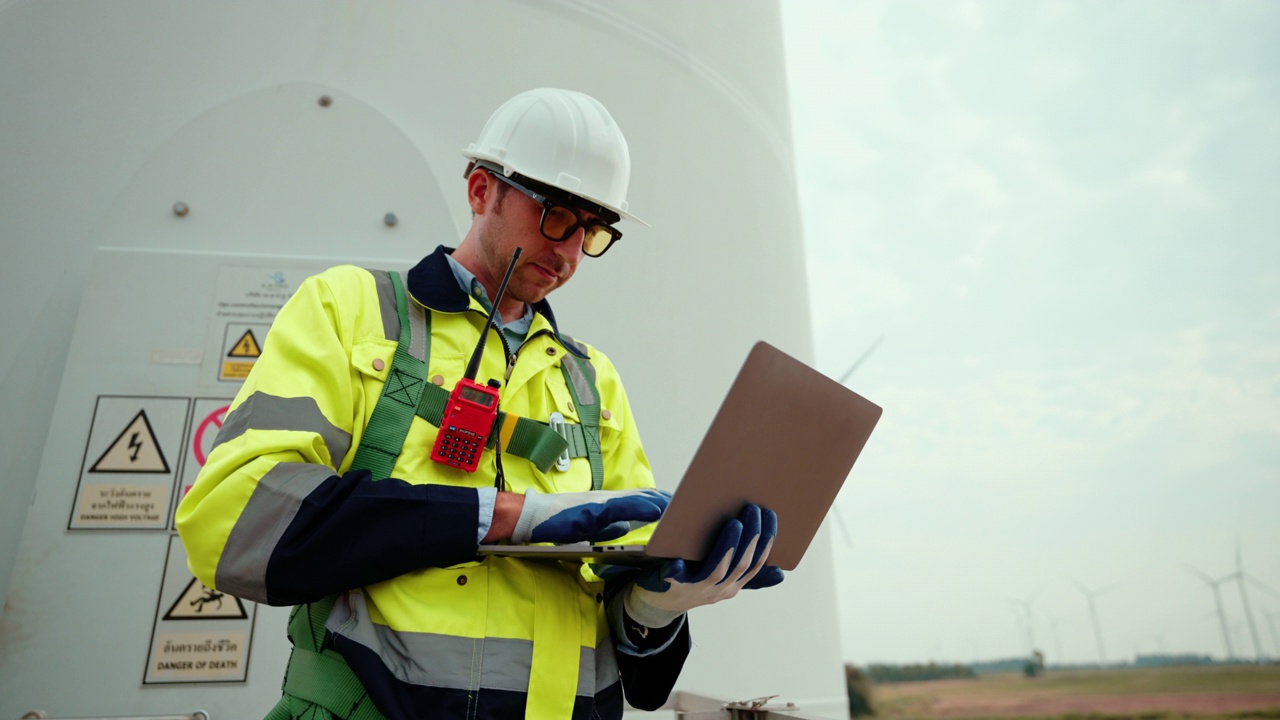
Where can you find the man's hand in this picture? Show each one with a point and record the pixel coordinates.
(592, 516)
(737, 562)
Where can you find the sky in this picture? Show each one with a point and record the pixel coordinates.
(1061, 219)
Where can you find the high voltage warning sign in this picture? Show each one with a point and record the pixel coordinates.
(242, 349)
(134, 451)
(246, 346)
(127, 478)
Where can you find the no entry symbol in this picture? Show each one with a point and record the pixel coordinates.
(207, 432)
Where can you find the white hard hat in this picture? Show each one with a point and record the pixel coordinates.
(561, 138)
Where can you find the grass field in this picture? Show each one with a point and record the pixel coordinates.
(1242, 691)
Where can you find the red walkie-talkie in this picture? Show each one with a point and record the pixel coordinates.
(473, 408)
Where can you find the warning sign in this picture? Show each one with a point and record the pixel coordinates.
(127, 479)
(242, 349)
(199, 635)
(207, 418)
(246, 302)
(207, 432)
(200, 602)
(246, 347)
(134, 451)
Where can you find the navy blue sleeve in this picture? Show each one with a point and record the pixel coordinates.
(351, 532)
(647, 681)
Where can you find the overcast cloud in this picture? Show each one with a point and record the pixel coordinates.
(1062, 218)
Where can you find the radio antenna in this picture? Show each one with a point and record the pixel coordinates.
(473, 367)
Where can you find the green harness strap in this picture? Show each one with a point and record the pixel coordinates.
(530, 439)
(318, 683)
(580, 376)
(401, 394)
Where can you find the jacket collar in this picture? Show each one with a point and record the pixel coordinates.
(431, 282)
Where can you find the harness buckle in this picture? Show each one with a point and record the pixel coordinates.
(556, 422)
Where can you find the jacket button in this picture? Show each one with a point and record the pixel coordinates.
(437, 380)
(462, 579)
(551, 351)
(606, 414)
(378, 364)
(570, 405)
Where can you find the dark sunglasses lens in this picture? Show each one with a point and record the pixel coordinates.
(558, 222)
(597, 240)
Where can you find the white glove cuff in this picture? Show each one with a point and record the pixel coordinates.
(644, 613)
(528, 518)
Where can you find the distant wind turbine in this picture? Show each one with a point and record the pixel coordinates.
(1030, 625)
(1217, 599)
(1093, 613)
(1057, 639)
(865, 354)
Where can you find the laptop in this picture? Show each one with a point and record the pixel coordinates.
(785, 437)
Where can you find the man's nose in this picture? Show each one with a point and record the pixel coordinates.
(570, 249)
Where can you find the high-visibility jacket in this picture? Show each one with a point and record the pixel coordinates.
(431, 630)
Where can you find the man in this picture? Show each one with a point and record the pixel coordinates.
(313, 497)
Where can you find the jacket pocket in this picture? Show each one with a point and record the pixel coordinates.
(448, 601)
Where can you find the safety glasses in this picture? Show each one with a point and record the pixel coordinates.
(559, 221)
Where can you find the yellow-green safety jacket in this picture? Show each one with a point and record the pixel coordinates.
(430, 629)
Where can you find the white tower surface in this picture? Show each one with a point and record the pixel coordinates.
(114, 113)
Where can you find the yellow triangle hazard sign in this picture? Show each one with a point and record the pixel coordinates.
(134, 451)
(246, 346)
(198, 602)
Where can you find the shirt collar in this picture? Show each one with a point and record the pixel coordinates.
(469, 283)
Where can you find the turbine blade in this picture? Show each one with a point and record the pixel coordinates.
(865, 354)
(1199, 574)
(1261, 585)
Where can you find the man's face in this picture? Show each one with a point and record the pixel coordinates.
(513, 221)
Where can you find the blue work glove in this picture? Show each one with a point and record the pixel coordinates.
(737, 562)
(590, 516)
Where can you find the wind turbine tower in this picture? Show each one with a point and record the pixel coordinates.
(1244, 600)
(1275, 637)
(1057, 639)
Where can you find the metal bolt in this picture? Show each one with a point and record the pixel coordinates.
(180, 209)
(325, 101)
(390, 219)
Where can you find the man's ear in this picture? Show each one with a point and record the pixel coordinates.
(482, 191)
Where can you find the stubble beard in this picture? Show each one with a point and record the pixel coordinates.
(517, 288)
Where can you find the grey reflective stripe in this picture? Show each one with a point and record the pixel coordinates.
(242, 569)
(585, 387)
(459, 663)
(261, 411)
(606, 666)
(417, 329)
(391, 315)
(387, 304)
(573, 345)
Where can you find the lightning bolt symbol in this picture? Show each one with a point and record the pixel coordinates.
(135, 446)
